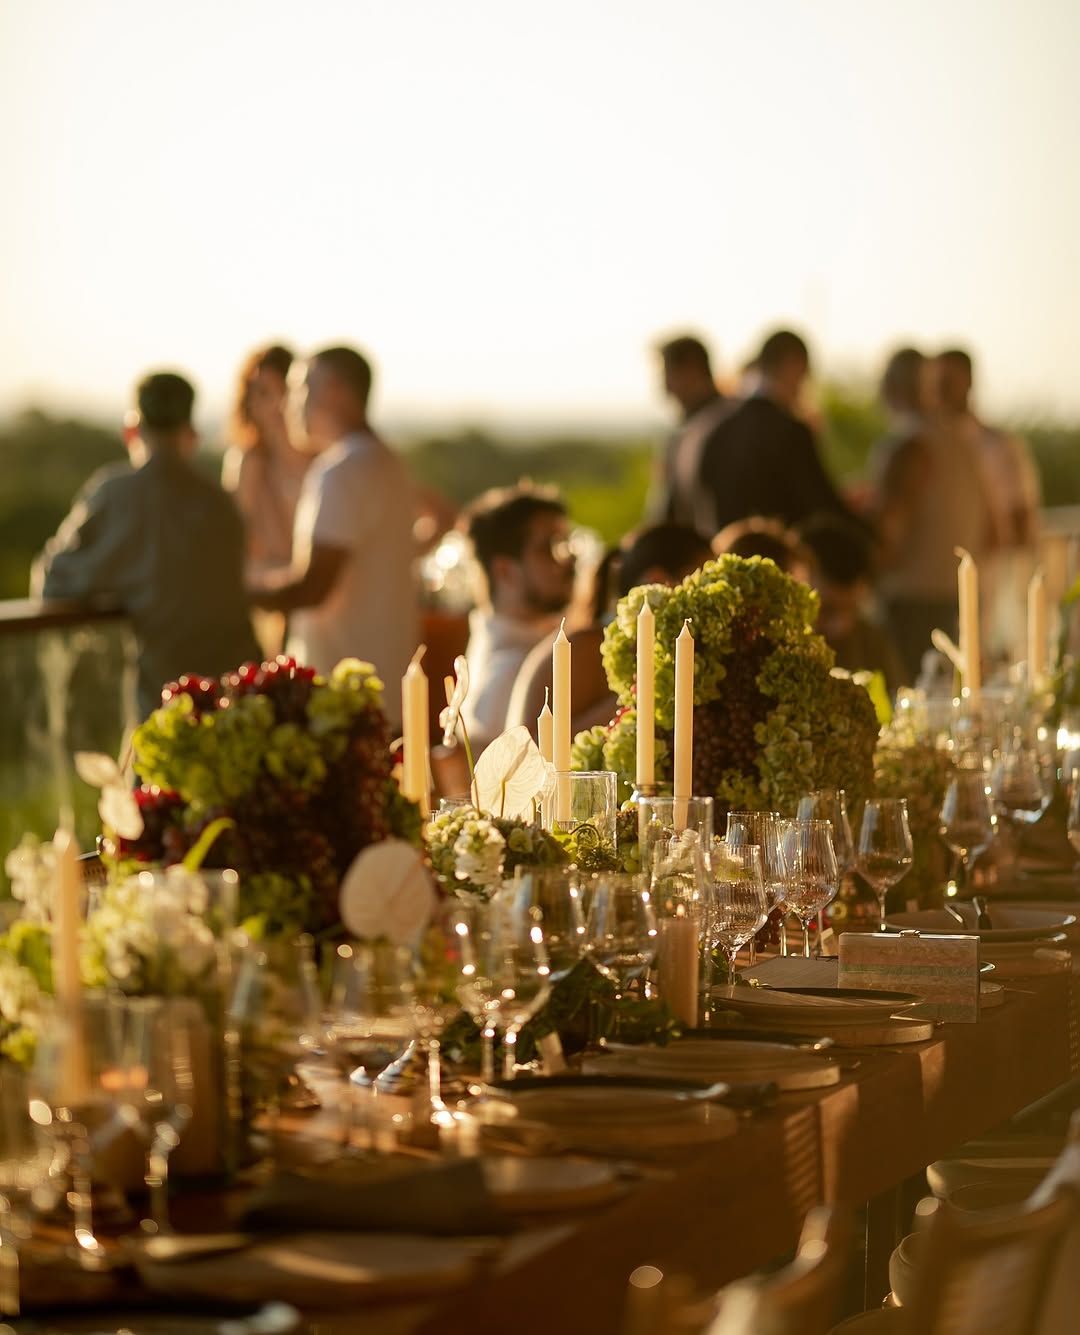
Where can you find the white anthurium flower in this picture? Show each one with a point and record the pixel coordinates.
(448, 719)
(116, 806)
(510, 775)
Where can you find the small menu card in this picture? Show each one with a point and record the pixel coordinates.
(942, 969)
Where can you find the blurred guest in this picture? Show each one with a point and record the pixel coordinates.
(349, 588)
(928, 499)
(1013, 494)
(762, 459)
(661, 554)
(770, 538)
(841, 574)
(520, 539)
(688, 379)
(163, 541)
(264, 471)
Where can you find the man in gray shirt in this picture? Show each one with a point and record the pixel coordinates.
(163, 541)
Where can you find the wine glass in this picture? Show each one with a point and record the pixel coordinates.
(25, 1156)
(621, 931)
(967, 817)
(1019, 786)
(763, 828)
(885, 848)
(504, 973)
(813, 877)
(736, 906)
(154, 1081)
(831, 804)
(553, 895)
(368, 1020)
(436, 971)
(662, 820)
(1072, 827)
(272, 1023)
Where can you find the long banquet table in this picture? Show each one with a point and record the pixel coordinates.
(716, 1212)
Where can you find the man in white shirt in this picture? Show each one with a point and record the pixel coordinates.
(349, 590)
(519, 537)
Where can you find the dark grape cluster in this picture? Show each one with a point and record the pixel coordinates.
(724, 728)
(282, 680)
(162, 837)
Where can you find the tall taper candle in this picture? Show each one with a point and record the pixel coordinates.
(416, 767)
(560, 727)
(967, 585)
(67, 985)
(544, 734)
(646, 697)
(1036, 629)
(684, 720)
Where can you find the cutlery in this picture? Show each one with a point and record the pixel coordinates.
(954, 913)
(984, 921)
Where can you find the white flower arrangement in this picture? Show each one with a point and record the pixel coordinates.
(31, 868)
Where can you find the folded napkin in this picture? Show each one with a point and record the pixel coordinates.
(388, 1196)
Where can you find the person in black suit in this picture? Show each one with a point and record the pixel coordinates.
(760, 459)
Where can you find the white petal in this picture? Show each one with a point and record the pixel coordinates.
(120, 812)
(97, 769)
(510, 774)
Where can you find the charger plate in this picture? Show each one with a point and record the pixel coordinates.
(537, 1185)
(323, 1270)
(809, 1007)
(786, 1067)
(1012, 922)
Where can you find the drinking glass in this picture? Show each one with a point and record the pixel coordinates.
(368, 1020)
(553, 897)
(663, 819)
(763, 828)
(504, 973)
(436, 971)
(831, 804)
(272, 1023)
(813, 878)
(1072, 826)
(736, 906)
(967, 817)
(25, 1156)
(1020, 786)
(584, 803)
(885, 848)
(621, 931)
(154, 1082)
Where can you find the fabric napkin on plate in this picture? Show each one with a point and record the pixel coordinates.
(440, 1200)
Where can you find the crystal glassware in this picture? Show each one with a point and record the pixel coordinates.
(505, 975)
(663, 819)
(436, 973)
(735, 907)
(1072, 824)
(885, 849)
(368, 1020)
(621, 931)
(813, 877)
(554, 897)
(967, 817)
(25, 1155)
(763, 828)
(584, 803)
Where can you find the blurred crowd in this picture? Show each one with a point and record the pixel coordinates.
(313, 541)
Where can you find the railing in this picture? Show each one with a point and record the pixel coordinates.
(19, 615)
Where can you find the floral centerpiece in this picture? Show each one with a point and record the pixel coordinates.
(772, 718)
(286, 775)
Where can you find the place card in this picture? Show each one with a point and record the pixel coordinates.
(944, 970)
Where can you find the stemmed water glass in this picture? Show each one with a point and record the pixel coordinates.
(763, 828)
(967, 818)
(621, 932)
(1072, 826)
(504, 973)
(368, 1020)
(885, 848)
(554, 897)
(813, 877)
(436, 973)
(831, 804)
(1020, 786)
(735, 906)
(25, 1156)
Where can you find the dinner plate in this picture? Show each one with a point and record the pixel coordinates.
(269, 1319)
(786, 1067)
(598, 1103)
(323, 1270)
(1012, 922)
(807, 1006)
(528, 1185)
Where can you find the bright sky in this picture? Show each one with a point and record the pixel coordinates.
(506, 203)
